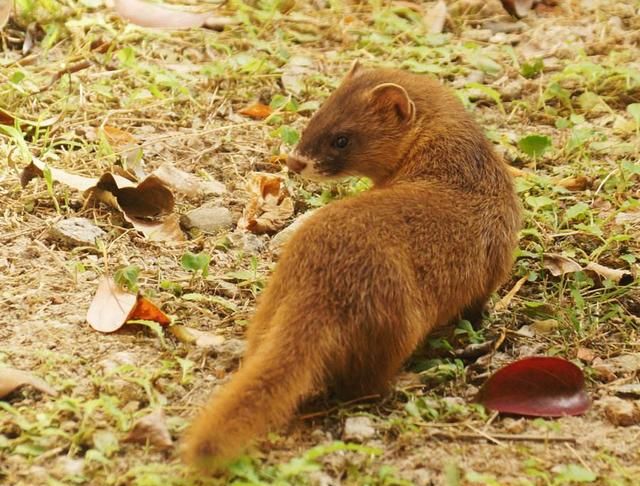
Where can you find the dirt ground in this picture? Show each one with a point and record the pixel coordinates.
(567, 73)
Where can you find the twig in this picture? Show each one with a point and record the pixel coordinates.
(324, 413)
(505, 437)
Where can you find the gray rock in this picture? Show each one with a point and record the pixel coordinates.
(358, 429)
(76, 232)
(208, 219)
(247, 241)
(278, 241)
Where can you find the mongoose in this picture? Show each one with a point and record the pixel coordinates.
(364, 280)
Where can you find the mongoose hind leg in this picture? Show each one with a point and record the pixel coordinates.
(475, 312)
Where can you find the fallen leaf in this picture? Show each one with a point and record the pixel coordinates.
(270, 205)
(537, 386)
(126, 145)
(12, 379)
(147, 14)
(630, 390)
(257, 111)
(506, 300)
(6, 118)
(294, 72)
(201, 339)
(167, 229)
(151, 429)
(559, 265)
(621, 277)
(578, 183)
(5, 12)
(186, 183)
(585, 354)
(518, 8)
(435, 17)
(147, 310)
(219, 23)
(35, 168)
(110, 306)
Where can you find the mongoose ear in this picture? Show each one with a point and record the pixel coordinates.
(394, 96)
(355, 69)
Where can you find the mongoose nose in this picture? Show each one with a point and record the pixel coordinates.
(295, 164)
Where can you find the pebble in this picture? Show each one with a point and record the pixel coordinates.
(358, 429)
(76, 232)
(621, 412)
(208, 219)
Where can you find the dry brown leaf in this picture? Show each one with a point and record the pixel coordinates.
(75, 181)
(151, 429)
(436, 17)
(257, 111)
(201, 339)
(578, 183)
(559, 264)
(147, 14)
(270, 205)
(622, 277)
(506, 300)
(110, 306)
(127, 146)
(5, 12)
(12, 379)
(186, 183)
(147, 310)
(167, 229)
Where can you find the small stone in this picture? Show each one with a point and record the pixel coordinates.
(321, 478)
(358, 429)
(621, 412)
(585, 354)
(68, 466)
(208, 219)
(76, 232)
(277, 242)
(481, 35)
(514, 426)
(248, 242)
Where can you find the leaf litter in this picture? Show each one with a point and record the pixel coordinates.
(177, 91)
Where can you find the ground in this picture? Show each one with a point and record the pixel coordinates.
(567, 74)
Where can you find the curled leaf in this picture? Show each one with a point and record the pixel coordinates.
(559, 264)
(435, 17)
(12, 379)
(270, 205)
(201, 339)
(112, 307)
(537, 386)
(621, 277)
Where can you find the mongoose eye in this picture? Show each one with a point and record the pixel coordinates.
(340, 142)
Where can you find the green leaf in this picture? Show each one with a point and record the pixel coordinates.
(196, 262)
(574, 473)
(534, 145)
(288, 135)
(539, 202)
(634, 110)
(576, 210)
(128, 277)
(532, 69)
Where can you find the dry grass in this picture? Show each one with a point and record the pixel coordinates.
(178, 94)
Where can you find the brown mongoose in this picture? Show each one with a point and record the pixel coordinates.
(365, 279)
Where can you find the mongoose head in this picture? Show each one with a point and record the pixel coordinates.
(363, 129)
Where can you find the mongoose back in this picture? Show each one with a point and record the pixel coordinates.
(365, 279)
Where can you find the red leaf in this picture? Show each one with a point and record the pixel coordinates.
(538, 386)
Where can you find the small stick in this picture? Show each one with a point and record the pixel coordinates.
(505, 437)
(323, 413)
